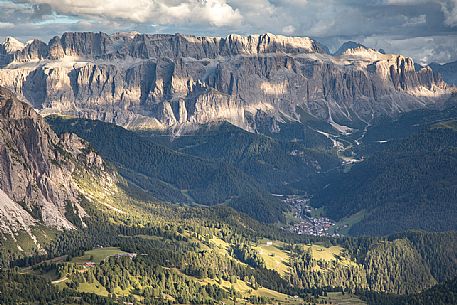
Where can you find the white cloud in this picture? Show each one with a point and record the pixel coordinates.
(137, 10)
(6, 25)
(288, 29)
(414, 21)
(214, 12)
(449, 8)
(423, 49)
(408, 2)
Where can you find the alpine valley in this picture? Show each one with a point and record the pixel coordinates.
(262, 169)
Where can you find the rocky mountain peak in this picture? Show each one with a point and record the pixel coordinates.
(11, 45)
(91, 45)
(354, 48)
(166, 81)
(271, 43)
(448, 71)
(36, 170)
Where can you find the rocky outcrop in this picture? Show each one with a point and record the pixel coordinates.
(123, 45)
(448, 71)
(352, 47)
(36, 168)
(170, 81)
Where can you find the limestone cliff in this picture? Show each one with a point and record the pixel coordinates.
(36, 168)
(170, 81)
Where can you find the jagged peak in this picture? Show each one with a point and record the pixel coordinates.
(34, 42)
(12, 107)
(12, 44)
(295, 44)
(99, 44)
(128, 35)
(419, 67)
(354, 48)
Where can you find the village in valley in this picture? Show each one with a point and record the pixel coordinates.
(308, 221)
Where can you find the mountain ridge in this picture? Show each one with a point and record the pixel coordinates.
(405, 181)
(175, 81)
(36, 172)
(447, 70)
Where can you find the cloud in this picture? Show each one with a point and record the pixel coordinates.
(288, 29)
(414, 21)
(423, 49)
(6, 25)
(407, 2)
(214, 12)
(449, 9)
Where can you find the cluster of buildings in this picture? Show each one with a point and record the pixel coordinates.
(308, 223)
(314, 226)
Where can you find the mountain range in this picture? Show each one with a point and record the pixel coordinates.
(173, 82)
(448, 71)
(212, 120)
(173, 169)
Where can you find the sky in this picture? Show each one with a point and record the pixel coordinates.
(423, 29)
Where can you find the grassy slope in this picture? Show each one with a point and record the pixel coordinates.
(96, 288)
(97, 255)
(339, 299)
(246, 291)
(274, 256)
(280, 258)
(240, 286)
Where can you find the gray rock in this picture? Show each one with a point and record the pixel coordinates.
(36, 168)
(171, 81)
(448, 71)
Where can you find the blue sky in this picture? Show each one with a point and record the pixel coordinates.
(423, 29)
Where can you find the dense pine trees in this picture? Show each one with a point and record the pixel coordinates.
(175, 176)
(409, 184)
(172, 259)
(441, 294)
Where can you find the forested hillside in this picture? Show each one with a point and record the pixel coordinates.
(442, 294)
(406, 182)
(137, 245)
(174, 176)
(277, 161)
(154, 252)
(135, 249)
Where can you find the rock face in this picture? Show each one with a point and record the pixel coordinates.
(163, 81)
(352, 47)
(448, 71)
(36, 167)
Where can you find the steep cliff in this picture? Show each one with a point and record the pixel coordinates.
(171, 81)
(448, 71)
(36, 168)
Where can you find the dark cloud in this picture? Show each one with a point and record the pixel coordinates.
(424, 29)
